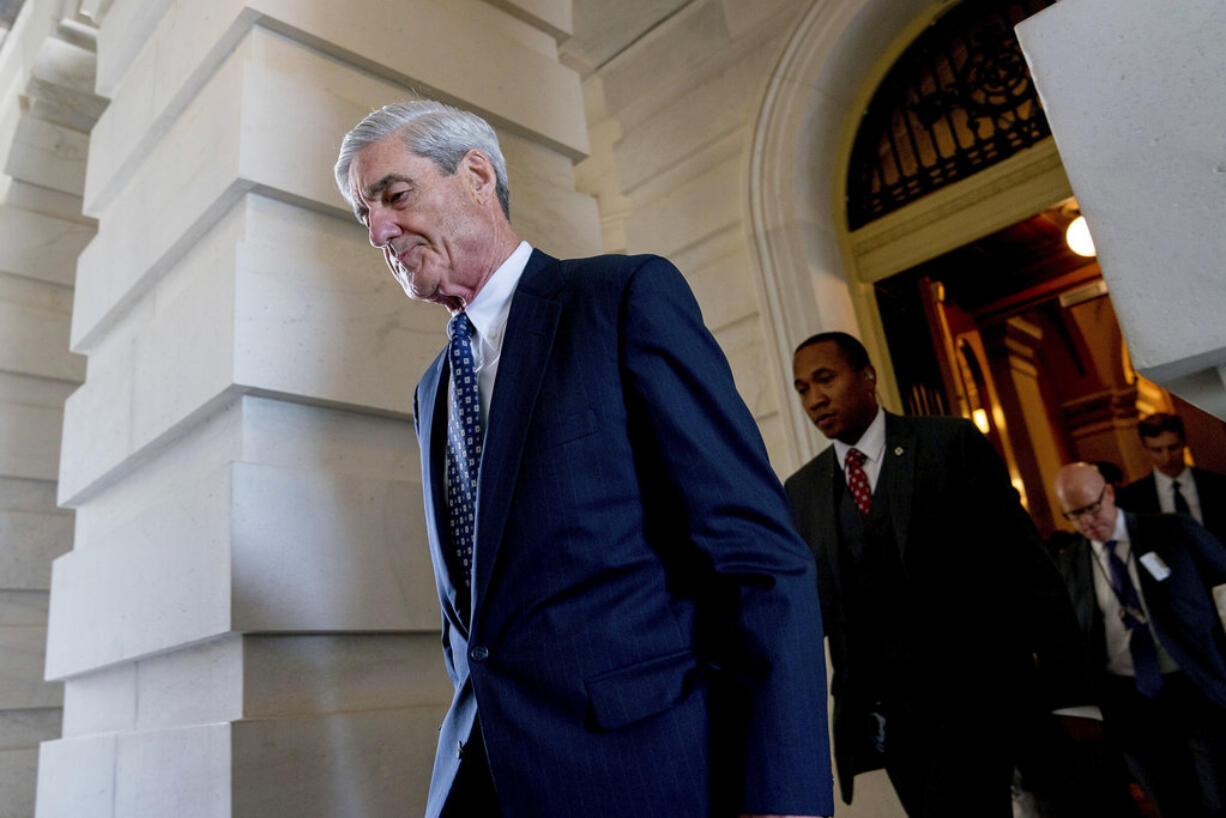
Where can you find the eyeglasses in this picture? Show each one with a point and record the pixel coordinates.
(1091, 509)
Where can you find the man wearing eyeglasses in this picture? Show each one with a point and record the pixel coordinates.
(1148, 590)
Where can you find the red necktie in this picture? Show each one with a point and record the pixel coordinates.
(857, 480)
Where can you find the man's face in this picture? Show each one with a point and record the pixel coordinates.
(1090, 506)
(1166, 452)
(838, 399)
(429, 225)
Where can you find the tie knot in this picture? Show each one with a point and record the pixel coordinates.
(1110, 546)
(856, 457)
(1175, 485)
(459, 327)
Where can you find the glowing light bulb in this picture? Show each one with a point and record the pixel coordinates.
(1078, 237)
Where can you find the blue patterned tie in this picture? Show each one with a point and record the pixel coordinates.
(1140, 640)
(463, 444)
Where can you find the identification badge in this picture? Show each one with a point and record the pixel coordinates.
(1156, 567)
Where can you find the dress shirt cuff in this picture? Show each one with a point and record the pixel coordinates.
(1086, 711)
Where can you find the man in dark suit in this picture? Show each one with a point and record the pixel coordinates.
(1148, 591)
(940, 604)
(1175, 487)
(629, 619)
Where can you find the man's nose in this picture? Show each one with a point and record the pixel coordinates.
(382, 228)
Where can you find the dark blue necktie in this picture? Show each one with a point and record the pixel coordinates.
(463, 445)
(1140, 640)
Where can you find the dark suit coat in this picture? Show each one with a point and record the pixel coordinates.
(1141, 497)
(1181, 606)
(645, 634)
(989, 597)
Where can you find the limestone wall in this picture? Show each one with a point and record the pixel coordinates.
(247, 623)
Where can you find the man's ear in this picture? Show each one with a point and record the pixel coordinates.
(479, 175)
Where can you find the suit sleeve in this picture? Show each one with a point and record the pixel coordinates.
(707, 471)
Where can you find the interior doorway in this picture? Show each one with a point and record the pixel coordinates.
(1016, 331)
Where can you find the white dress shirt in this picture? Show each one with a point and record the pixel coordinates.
(1119, 658)
(488, 314)
(1187, 487)
(872, 444)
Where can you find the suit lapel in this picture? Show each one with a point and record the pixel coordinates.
(431, 437)
(529, 336)
(899, 465)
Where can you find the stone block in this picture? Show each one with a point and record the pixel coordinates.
(17, 782)
(21, 669)
(189, 42)
(693, 210)
(1136, 98)
(50, 155)
(748, 356)
(375, 764)
(553, 16)
(250, 548)
(198, 684)
(184, 772)
(76, 778)
(160, 580)
(103, 701)
(34, 324)
(23, 608)
(324, 552)
(720, 272)
(288, 675)
(36, 245)
(29, 541)
(25, 728)
(29, 440)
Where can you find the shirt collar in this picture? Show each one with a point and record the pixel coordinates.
(1120, 535)
(488, 311)
(872, 442)
(1164, 482)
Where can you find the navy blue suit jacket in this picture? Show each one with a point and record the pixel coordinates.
(645, 635)
(1180, 607)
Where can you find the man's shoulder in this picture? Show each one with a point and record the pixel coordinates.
(809, 472)
(1209, 479)
(1137, 490)
(938, 427)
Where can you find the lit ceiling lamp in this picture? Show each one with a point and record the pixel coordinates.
(1078, 237)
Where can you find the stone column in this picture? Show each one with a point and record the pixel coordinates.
(247, 625)
(1136, 96)
(47, 106)
(1013, 347)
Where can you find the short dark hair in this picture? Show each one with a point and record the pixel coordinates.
(1159, 423)
(1112, 473)
(853, 351)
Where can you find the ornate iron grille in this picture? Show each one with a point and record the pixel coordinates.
(958, 100)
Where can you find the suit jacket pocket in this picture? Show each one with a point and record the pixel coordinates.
(618, 697)
(573, 427)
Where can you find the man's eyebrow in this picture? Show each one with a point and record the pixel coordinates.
(378, 187)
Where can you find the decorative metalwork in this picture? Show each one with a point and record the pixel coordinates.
(958, 100)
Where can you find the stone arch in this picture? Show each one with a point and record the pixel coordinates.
(801, 141)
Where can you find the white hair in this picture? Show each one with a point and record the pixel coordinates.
(432, 130)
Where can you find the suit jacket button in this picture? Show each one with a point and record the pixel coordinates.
(479, 654)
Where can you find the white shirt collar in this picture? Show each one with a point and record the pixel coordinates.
(1120, 535)
(872, 442)
(1164, 482)
(488, 311)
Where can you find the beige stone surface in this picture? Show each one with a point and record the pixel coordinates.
(1136, 101)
